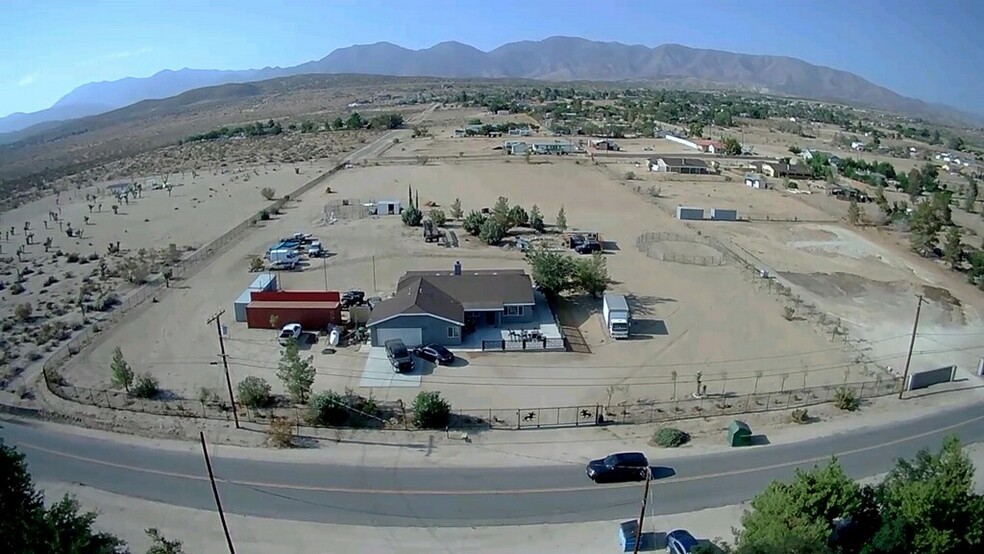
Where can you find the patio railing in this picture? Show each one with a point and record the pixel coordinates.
(529, 343)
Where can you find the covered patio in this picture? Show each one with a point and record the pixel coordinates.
(542, 334)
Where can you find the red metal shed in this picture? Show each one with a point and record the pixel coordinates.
(295, 296)
(312, 316)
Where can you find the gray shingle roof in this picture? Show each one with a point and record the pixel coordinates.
(418, 296)
(484, 289)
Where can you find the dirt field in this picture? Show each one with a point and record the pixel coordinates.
(689, 318)
(200, 207)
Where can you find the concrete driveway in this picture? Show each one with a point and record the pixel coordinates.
(379, 373)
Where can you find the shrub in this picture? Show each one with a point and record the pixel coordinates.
(207, 396)
(630, 176)
(472, 224)
(254, 392)
(437, 217)
(256, 263)
(327, 408)
(412, 216)
(492, 232)
(846, 399)
(799, 415)
(51, 280)
(430, 411)
(72, 258)
(146, 386)
(24, 311)
(788, 313)
(105, 302)
(670, 437)
(281, 432)
(268, 193)
(16, 288)
(264, 216)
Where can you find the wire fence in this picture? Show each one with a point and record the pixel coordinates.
(649, 243)
(394, 414)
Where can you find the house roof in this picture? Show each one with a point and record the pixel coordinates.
(417, 296)
(709, 142)
(791, 169)
(485, 289)
(684, 162)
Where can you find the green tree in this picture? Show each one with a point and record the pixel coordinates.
(456, 211)
(929, 505)
(854, 213)
(159, 544)
(970, 199)
(591, 275)
(28, 527)
(925, 225)
(254, 392)
(500, 212)
(953, 250)
(430, 411)
(795, 150)
(518, 217)
(412, 216)
(437, 217)
(536, 219)
(913, 185)
(355, 121)
(696, 130)
(561, 221)
(552, 271)
(492, 231)
(882, 202)
(296, 373)
(473, 222)
(732, 147)
(337, 124)
(122, 373)
(801, 516)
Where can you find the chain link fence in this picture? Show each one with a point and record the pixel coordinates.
(649, 244)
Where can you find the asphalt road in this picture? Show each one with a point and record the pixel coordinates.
(462, 497)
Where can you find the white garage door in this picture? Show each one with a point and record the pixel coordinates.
(410, 337)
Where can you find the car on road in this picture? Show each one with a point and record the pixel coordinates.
(353, 297)
(618, 468)
(434, 353)
(680, 541)
(398, 355)
(290, 332)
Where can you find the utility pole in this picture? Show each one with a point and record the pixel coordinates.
(375, 289)
(217, 318)
(912, 343)
(215, 493)
(642, 512)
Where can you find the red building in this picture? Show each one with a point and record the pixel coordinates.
(314, 310)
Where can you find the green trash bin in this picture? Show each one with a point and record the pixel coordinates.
(739, 434)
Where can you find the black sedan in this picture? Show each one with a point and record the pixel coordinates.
(620, 467)
(434, 353)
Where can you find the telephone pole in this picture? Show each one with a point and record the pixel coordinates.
(217, 318)
(912, 343)
(642, 512)
(215, 493)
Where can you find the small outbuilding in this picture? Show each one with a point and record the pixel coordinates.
(314, 310)
(718, 214)
(755, 181)
(263, 282)
(388, 207)
(691, 214)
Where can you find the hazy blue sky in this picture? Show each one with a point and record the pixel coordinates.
(932, 50)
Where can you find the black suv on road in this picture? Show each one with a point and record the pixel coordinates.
(616, 468)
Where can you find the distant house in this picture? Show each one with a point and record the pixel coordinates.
(475, 129)
(755, 181)
(808, 155)
(687, 166)
(553, 147)
(459, 133)
(710, 146)
(857, 145)
(778, 170)
(502, 112)
(118, 188)
(521, 132)
(604, 144)
(515, 147)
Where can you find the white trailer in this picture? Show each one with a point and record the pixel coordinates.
(617, 316)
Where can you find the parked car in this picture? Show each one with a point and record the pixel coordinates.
(575, 241)
(314, 250)
(434, 353)
(588, 247)
(290, 332)
(619, 467)
(352, 297)
(680, 541)
(398, 355)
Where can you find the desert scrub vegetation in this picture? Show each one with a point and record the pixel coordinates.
(670, 437)
(254, 392)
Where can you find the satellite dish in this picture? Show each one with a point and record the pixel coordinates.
(333, 337)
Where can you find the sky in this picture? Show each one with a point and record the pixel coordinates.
(930, 50)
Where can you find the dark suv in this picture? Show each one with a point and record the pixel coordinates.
(398, 355)
(615, 468)
(588, 247)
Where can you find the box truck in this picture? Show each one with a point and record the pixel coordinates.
(617, 317)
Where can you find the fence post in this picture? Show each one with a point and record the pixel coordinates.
(519, 420)
(92, 401)
(597, 407)
(109, 402)
(861, 392)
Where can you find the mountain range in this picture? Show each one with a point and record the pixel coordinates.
(555, 59)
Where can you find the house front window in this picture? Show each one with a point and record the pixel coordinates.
(514, 310)
(454, 332)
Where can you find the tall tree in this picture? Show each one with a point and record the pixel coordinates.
(591, 275)
(952, 247)
(970, 199)
(296, 373)
(854, 213)
(28, 527)
(561, 221)
(122, 373)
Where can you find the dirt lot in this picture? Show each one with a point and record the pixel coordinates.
(689, 318)
(199, 208)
